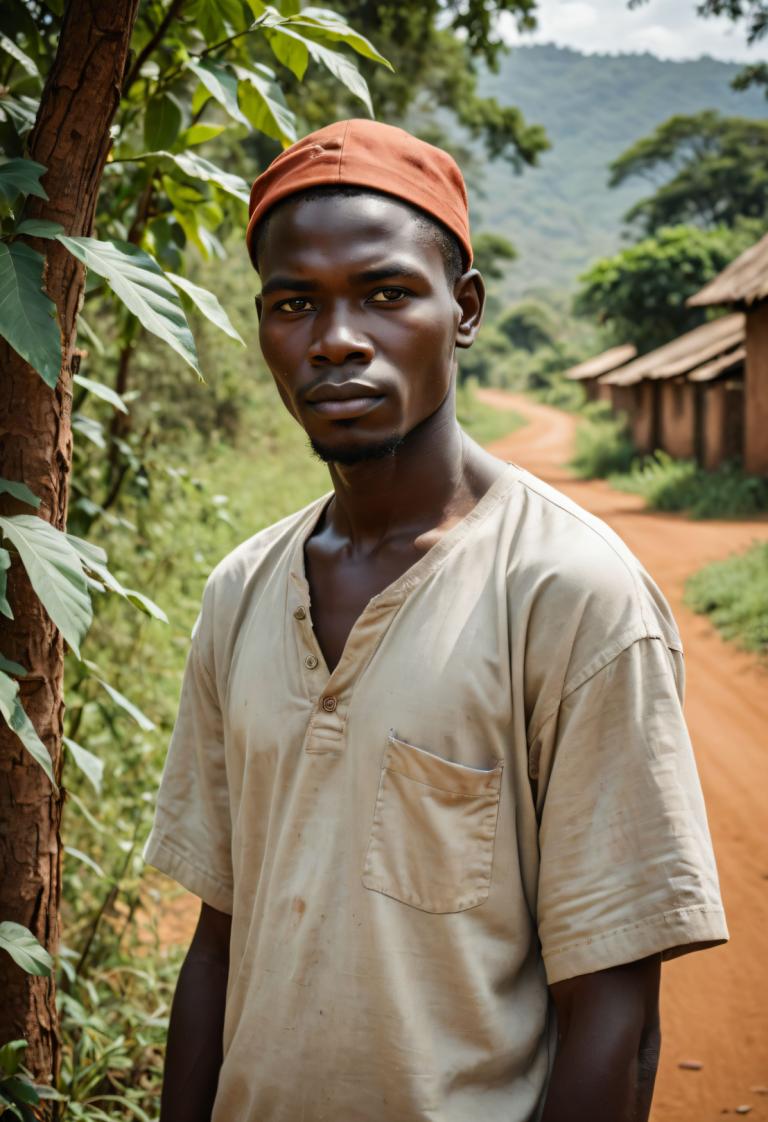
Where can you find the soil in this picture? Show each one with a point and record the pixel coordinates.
(714, 1003)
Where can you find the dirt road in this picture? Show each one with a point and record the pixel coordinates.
(714, 1004)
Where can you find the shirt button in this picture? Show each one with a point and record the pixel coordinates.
(300, 613)
(310, 662)
(329, 704)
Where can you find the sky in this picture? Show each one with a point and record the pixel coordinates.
(667, 28)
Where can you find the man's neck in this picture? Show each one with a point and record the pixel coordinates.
(434, 477)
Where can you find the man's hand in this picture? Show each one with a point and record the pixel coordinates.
(608, 1043)
(194, 1053)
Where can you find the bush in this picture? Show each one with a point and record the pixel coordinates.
(673, 485)
(734, 594)
(603, 445)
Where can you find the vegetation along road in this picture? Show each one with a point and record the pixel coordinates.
(714, 1011)
(713, 1008)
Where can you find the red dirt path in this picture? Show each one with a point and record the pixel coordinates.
(714, 1003)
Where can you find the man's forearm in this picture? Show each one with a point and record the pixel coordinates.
(194, 1052)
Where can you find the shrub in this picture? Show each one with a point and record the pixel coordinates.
(669, 484)
(734, 594)
(602, 443)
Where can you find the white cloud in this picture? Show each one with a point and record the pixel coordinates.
(667, 28)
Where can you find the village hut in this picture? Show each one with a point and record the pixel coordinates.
(588, 372)
(686, 397)
(744, 285)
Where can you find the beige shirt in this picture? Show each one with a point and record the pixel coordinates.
(493, 791)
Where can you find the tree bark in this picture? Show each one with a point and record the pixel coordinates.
(71, 138)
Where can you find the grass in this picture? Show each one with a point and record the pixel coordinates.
(602, 443)
(680, 485)
(734, 594)
(482, 422)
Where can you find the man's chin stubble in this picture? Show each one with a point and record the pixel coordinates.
(347, 457)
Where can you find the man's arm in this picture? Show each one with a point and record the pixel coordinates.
(194, 1052)
(608, 1042)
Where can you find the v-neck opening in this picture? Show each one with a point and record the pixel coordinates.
(397, 590)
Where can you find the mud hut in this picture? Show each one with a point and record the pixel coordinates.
(588, 372)
(744, 285)
(685, 397)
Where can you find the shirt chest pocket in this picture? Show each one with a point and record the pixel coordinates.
(433, 832)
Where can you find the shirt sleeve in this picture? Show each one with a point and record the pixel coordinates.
(626, 862)
(190, 839)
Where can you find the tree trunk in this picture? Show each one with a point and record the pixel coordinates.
(71, 138)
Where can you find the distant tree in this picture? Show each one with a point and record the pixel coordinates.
(529, 326)
(710, 170)
(491, 250)
(641, 292)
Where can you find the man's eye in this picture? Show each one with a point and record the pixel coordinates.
(388, 295)
(294, 304)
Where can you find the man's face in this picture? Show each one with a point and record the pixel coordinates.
(357, 321)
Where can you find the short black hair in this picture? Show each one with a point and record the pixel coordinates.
(447, 242)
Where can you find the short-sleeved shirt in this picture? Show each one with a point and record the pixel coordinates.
(494, 790)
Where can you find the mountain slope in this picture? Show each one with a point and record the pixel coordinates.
(562, 214)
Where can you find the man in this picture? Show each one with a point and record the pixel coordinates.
(430, 776)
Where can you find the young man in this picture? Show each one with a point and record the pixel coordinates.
(430, 776)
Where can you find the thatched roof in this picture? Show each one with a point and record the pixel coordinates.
(602, 363)
(684, 354)
(744, 281)
(711, 370)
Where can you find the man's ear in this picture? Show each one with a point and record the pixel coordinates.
(469, 294)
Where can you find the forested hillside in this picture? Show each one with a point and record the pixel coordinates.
(562, 214)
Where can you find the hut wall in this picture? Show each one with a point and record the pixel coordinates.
(644, 415)
(723, 422)
(678, 419)
(756, 391)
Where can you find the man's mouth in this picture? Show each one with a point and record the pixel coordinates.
(344, 401)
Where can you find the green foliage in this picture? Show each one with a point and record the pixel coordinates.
(18, 1094)
(490, 251)
(734, 594)
(528, 326)
(488, 360)
(24, 949)
(641, 292)
(713, 171)
(680, 485)
(602, 443)
(481, 421)
(26, 313)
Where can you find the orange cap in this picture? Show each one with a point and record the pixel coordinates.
(366, 153)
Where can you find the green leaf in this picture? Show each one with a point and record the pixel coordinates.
(290, 49)
(91, 766)
(21, 1089)
(344, 70)
(98, 389)
(5, 564)
(90, 335)
(162, 121)
(94, 558)
(199, 134)
(137, 280)
(207, 303)
(19, 491)
(90, 429)
(20, 723)
(16, 53)
(11, 667)
(221, 85)
(24, 949)
(21, 177)
(26, 313)
(86, 860)
(132, 710)
(8, 693)
(55, 573)
(332, 27)
(39, 228)
(11, 1056)
(197, 167)
(264, 105)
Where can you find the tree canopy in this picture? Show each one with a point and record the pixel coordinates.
(709, 170)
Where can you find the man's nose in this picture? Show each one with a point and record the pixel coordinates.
(338, 340)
